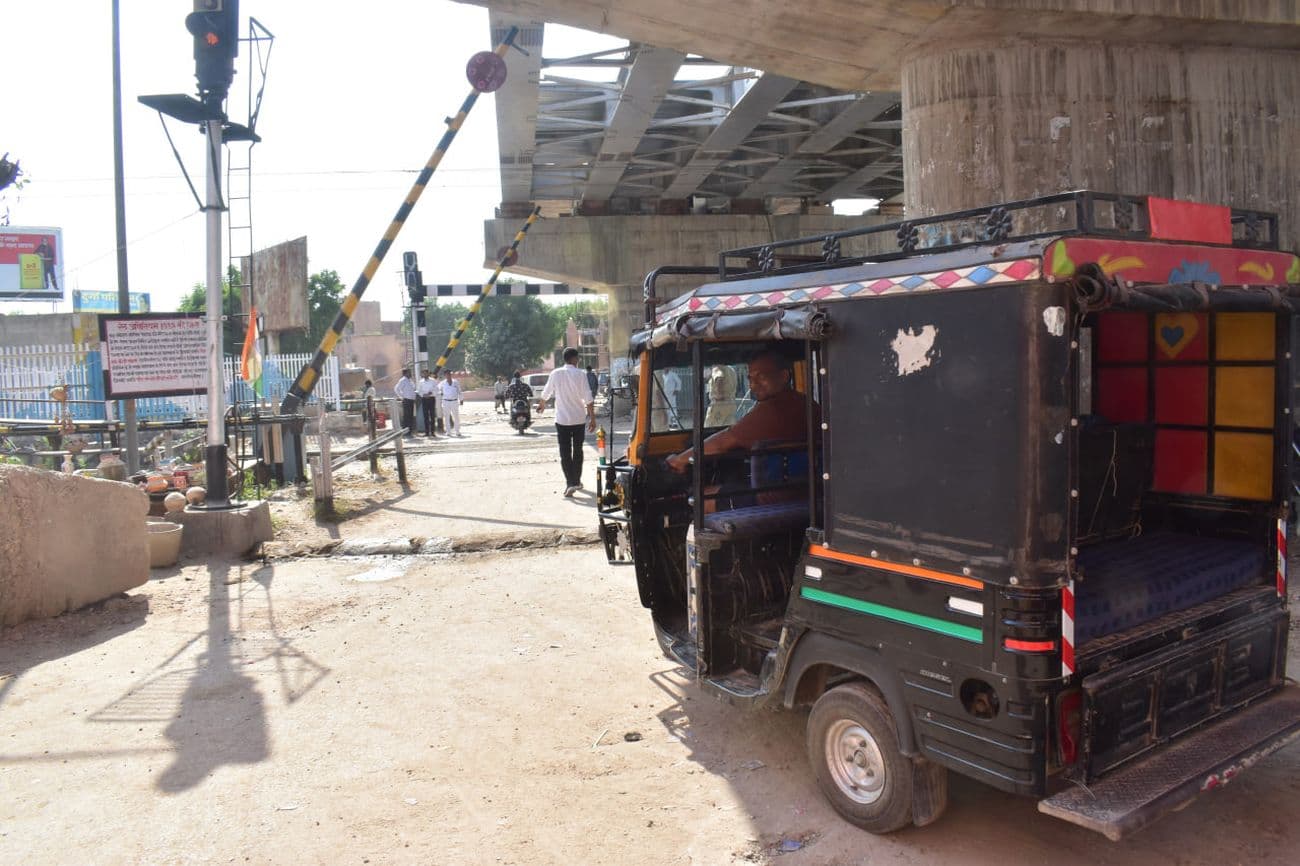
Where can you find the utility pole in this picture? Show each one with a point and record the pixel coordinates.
(215, 27)
(132, 439)
(215, 454)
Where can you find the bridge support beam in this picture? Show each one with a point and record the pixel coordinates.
(614, 253)
(1013, 119)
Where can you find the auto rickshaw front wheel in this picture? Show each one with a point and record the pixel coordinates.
(854, 753)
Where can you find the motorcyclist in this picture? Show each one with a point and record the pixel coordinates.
(518, 391)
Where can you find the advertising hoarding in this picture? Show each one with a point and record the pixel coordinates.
(154, 354)
(280, 286)
(31, 263)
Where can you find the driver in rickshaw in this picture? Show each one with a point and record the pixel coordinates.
(779, 414)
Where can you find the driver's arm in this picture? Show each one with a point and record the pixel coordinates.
(723, 440)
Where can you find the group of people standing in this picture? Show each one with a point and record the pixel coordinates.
(435, 398)
(573, 390)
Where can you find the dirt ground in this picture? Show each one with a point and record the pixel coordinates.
(497, 707)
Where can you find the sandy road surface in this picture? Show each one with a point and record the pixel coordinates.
(461, 709)
(468, 709)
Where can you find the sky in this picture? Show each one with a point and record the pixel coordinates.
(354, 105)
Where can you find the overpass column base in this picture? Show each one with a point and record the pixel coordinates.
(1011, 120)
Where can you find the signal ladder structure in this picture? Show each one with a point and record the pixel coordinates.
(240, 268)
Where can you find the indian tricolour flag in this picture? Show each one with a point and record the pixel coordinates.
(250, 369)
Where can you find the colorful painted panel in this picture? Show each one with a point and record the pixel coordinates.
(1181, 336)
(1122, 337)
(1122, 394)
(1145, 262)
(1180, 461)
(1183, 395)
(1244, 336)
(993, 273)
(1243, 465)
(1243, 397)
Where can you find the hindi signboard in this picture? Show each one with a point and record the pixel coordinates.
(31, 263)
(106, 302)
(154, 355)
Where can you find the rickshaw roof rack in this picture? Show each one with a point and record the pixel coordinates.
(1081, 212)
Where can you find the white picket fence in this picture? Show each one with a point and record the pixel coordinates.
(27, 373)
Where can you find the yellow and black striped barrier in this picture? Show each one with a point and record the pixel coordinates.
(464, 323)
(306, 381)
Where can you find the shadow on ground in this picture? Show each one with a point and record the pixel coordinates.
(34, 643)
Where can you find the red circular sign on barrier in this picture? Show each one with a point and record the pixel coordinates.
(486, 71)
(511, 256)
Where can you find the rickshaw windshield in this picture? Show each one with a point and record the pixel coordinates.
(726, 387)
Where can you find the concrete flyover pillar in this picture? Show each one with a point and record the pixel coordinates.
(1011, 119)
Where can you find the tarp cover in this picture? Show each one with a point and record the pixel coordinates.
(1184, 297)
(804, 323)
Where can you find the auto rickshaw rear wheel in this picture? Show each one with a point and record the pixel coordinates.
(854, 753)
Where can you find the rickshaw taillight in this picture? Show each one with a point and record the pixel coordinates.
(1069, 714)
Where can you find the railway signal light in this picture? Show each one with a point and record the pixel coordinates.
(413, 278)
(214, 24)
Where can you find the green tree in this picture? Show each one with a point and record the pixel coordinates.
(324, 297)
(585, 314)
(234, 326)
(511, 333)
(440, 321)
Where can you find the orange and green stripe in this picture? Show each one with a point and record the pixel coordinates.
(893, 614)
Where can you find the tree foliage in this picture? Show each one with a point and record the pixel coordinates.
(511, 333)
(440, 321)
(232, 330)
(585, 314)
(324, 297)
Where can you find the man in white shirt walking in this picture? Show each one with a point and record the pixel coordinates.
(405, 391)
(449, 388)
(574, 404)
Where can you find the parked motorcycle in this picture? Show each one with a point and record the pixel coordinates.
(521, 415)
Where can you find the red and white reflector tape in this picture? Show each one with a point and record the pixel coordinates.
(1067, 629)
(1281, 559)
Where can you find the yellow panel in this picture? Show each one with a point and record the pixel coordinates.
(1244, 336)
(1243, 397)
(1243, 465)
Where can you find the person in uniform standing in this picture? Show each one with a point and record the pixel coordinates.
(405, 391)
(428, 401)
(449, 388)
(499, 393)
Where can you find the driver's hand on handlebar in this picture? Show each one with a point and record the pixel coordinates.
(678, 462)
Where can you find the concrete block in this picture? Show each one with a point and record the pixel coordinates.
(231, 532)
(66, 542)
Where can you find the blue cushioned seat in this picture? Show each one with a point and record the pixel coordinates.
(758, 519)
(1130, 581)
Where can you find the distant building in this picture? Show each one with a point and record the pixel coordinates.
(379, 346)
(49, 329)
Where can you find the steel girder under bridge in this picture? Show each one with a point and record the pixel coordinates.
(674, 133)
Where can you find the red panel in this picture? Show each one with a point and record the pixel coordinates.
(1122, 337)
(1182, 395)
(1164, 262)
(1189, 221)
(1180, 461)
(1122, 394)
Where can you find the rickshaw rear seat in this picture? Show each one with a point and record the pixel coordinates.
(758, 519)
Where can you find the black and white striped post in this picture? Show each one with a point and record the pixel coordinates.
(310, 375)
